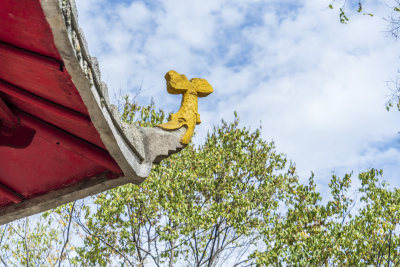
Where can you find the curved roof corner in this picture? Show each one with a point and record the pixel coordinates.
(60, 138)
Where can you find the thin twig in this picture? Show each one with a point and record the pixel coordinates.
(67, 237)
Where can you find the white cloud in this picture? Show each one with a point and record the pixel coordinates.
(317, 86)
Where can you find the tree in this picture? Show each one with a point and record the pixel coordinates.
(354, 228)
(42, 241)
(393, 20)
(344, 6)
(200, 207)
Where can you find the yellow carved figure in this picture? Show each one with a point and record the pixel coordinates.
(187, 115)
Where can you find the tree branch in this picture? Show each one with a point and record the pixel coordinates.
(67, 237)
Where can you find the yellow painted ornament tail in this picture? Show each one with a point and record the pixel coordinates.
(187, 114)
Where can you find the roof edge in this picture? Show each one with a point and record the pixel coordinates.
(134, 148)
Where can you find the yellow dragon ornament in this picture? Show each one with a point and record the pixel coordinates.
(187, 115)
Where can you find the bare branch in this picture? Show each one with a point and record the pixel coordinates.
(25, 243)
(87, 231)
(67, 236)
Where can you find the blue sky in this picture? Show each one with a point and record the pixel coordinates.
(318, 87)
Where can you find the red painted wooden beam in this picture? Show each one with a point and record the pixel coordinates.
(6, 117)
(70, 120)
(40, 103)
(10, 195)
(23, 24)
(71, 142)
(34, 54)
(12, 133)
(41, 76)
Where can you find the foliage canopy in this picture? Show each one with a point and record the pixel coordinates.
(230, 201)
